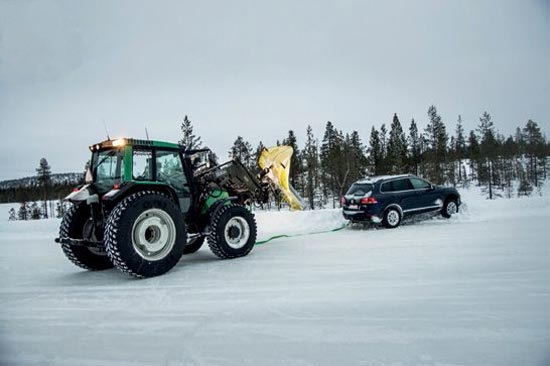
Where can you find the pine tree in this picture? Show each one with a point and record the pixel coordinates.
(242, 151)
(384, 148)
(259, 149)
(44, 180)
(295, 163)
(437, 139)
(23, 212)
(415, 156)
(12, 214)
(311, 162)
(460, 146)
(336, 167)
(509, 153)
(397, 148)
(473, 154)
(452, 162)
(460, 139)
(189, 140)
(36, 213)
(488, 150)
(358, 159)
(535, 151)
(376, 154)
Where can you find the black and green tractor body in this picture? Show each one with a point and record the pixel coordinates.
(146, 203)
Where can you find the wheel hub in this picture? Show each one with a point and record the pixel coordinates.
(153, 234)
(234, 232)
(237, 232)
(393, 217)
(451, 208)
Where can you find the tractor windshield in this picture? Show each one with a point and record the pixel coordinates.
(107, 168)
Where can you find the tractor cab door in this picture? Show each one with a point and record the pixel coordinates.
(169, 170)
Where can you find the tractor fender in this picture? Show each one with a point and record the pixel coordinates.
(78, 194)
(124, 190)
(219, 204)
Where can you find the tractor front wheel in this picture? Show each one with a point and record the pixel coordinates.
(76, 224)
(145, 234)
(232, 231)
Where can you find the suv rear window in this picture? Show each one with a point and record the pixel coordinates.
(359, 189)
(397, 185)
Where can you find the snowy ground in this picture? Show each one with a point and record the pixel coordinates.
(473, 290)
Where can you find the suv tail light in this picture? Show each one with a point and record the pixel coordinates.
(343, 200)
(368, 201)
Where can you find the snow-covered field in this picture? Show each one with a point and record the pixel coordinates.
(473, 290)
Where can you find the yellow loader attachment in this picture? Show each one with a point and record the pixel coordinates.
(276, 162)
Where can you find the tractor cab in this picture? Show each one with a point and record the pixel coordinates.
(118, 166)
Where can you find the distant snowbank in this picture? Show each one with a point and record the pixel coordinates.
(270, 223)
(476, 207)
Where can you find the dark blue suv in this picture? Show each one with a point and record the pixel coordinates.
(387, 199)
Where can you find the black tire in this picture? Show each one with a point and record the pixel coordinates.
(128, 226)
(236, 219)
(72, 226)
(392, 218)
(194, 245)
(450, 207)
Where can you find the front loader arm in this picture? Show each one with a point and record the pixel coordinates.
(245, 187)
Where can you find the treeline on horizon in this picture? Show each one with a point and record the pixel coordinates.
(323, 169)
(504, 166)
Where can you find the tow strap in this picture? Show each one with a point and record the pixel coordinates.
(303, 234)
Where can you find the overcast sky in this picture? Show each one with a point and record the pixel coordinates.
(258, 69)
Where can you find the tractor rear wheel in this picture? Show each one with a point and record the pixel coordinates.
(145, 234)
(232, 231)
(75, 225)
(193, 245)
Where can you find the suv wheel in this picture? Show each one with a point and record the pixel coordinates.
(450, 208)
(392, 218)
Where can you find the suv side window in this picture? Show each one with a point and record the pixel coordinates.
(420, 183)
(170, 170)
(401, 185)
(386, 187)
(396, 185)
(141, 164)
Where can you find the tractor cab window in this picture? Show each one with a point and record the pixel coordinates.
(170, 170)
(107, 167)
(142, 165)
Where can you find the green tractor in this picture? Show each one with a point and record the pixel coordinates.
(146, 203)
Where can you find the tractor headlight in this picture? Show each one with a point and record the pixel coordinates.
(119, 142)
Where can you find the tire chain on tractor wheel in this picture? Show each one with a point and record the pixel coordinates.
(111, 228)
(212, 237)
(68, 249)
